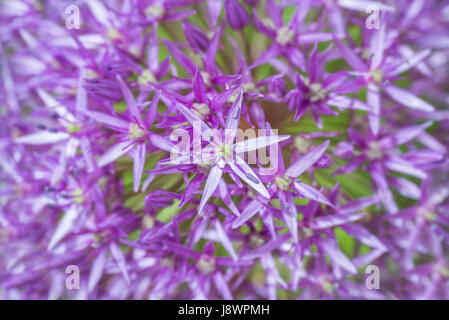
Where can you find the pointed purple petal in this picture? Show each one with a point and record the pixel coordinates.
(307, 160)
(152, 111)
(180, 57)
(130, 101)
(96, 270)
(224, 239)
(199, 88)
(337, 256)
(119, 257)
(311, 193)
(409, 63)
(250, 210)
(233, 120)
(43, 137)
(349, 55)
(108, 120)
(114, 152)
(377, 48)
(403, 136)
(407, 99)
(222, 286)
(373, 99)
(334, 220)
(400, 165)
(244, 171)
(64, 227)
(139, 162)
(270, 53)
(258, 143)
(211, 184)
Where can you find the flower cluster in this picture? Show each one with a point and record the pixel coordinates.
(127, 149)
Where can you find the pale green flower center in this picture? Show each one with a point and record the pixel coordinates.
(224, 151)
(206, 264)
(201, 110)
(249, 86)
(283, 182)
(317, 93)
(306, 232)
(284, 35)
(375, 151)
(77, 195)
(327, 287)
(366, 54)
(155, 10)
(145, 77)
(427, 214)
(97, 237)
(256, 241)
(268, 23)
(377, 76)
(73, 128)
(135, 132)
(167, 262)
(441, 269)
(113, 34)
(91, 74)
(233, 97)
(148, 222)
(135, 50)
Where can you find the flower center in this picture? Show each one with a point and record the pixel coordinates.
(375, 151)
(148, 222)
(284, 35)
(135, 132)
(206, 264)
(78, 195)
(256, 240)
(306, 232)
(327, 287)
(201, 110)
(283, 182)
(167, 262)
(442, 269)
(427, 213)
(249, 86)
(366, 54)
(377, 76)
(145, 77)
(267, 22)
(113, 34)
(155, 10)
(224, 151)
(317, 93)
(91, 74)
(233, 97)
(73, 128)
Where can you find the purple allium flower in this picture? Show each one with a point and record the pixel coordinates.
(182, 149)
(236, 14)
(316, 93)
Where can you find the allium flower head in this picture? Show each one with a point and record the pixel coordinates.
(224, 149)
